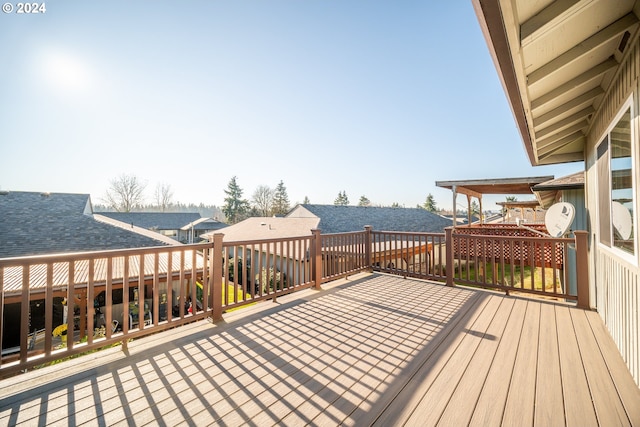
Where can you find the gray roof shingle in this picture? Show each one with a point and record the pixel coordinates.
(342, 219)
(155, 220)
(33, 223)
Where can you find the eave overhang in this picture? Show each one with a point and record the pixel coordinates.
(556, 61)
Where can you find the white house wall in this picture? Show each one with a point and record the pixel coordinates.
(614, 279)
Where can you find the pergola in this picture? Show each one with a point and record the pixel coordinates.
(478, 187)
(522, 205)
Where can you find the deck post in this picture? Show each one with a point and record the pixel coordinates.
(316, 258)
(448, 246)
(582, 268)
(216, 291)
(367, 248)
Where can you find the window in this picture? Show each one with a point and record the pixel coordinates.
(615, 180)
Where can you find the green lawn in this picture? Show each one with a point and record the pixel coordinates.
(504, 278)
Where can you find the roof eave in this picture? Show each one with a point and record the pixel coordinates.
(491, 22)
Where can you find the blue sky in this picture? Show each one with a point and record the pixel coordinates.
(376, 98)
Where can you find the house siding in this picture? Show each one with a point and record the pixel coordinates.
(616, 295)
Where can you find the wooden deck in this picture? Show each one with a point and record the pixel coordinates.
(376, 349)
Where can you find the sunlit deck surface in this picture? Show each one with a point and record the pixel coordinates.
(374, 349)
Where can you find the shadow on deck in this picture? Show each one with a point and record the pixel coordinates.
(376, 349)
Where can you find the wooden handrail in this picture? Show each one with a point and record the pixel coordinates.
(291, 264)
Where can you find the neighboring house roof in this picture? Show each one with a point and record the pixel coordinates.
(135, 229)
(33, 223)
(155, 220)
(204, 224)
(342, 219)
(263, 228)
(570, 182)
(547, 192)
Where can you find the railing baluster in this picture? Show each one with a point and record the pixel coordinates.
(169, 276)
(24, 314)
(126, 324)
(48, 309)
(108, 296)
(70, 304)
(141, 293)
(91, 310)
(194, 283)
(156, 290)
(183, 291)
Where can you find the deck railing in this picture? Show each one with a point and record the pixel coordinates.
(106, 298)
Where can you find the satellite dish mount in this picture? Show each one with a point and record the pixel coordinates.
(558, 218)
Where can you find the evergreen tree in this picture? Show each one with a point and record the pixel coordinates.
(430, 203)
(306, 200)
(281, 200)
(342, 199)
(475, 208)
(235, 207)
(364, 201)
(505, 210)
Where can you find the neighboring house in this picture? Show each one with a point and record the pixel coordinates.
(263, 228)
(571, 73)
(192, 232)
(177, 225)
(294, 264)
(33, 223)
(342, 219)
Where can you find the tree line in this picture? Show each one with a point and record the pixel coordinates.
(126, 194)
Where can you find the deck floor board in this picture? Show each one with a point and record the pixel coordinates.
(373, 350)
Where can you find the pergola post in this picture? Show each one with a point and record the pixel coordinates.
(455, 196)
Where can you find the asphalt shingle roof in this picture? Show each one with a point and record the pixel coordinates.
(34, 223)
(155, 220)
(343, 219)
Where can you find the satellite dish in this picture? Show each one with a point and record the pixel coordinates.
(558, 218)
(622, 221)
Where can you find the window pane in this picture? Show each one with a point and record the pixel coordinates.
(622, 215)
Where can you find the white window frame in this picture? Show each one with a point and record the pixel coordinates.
(631, 258)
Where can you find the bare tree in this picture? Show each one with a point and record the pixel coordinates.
(163, 196)
(125, 193)
(262, 200)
